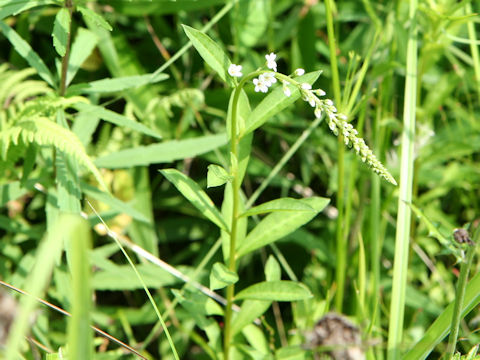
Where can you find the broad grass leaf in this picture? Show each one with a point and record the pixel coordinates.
(94, 17)
(211, 52)
(279, 224)
(26, 51)
(61, 29)
(441, 326)
(282, 290)
(114, 118)
(116, 84)
(281, 204)
(15, 7)
(275, 102)
(167, 151)
(114, 203)
(162, 7)
(196, 196)
(250, 19)
(221, 276)
(80, 335)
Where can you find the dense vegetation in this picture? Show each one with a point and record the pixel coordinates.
(136, 154)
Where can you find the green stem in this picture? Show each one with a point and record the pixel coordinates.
(234, 139)
(63, 80)
(340, 236)
(402, 236)
(459, 297)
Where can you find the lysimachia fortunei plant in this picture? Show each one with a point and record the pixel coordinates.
(285, 215)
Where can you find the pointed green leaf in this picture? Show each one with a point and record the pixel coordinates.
(272, 269)
(221, 277)
(161, 153)
(114, 118)
(282, 204)
(217, 176)
(61, 29)
(14, 7)
(282, 290)
(94, 17)
(249, 311)
(276, 101)
(196, 196)
(26, 51)
(116, 84)
(211, 52)
(83, 44)
(279, 224)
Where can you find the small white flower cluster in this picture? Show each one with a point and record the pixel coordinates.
(336, 122)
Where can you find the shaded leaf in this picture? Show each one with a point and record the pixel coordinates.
(26, 51)
(161, 153)
(114, 118)
(94, 17)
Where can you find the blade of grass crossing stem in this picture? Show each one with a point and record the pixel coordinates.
(150, 297)
(80, 334)
(400, 266)
(47, 254)
(473, 46)
(341, 239)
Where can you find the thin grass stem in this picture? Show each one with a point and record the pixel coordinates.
(399, 281)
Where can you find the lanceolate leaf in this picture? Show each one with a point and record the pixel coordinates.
(160, 153)
(249, 311)
(196, 196)
(115, 118)
(281, 290)
(61, 29)
(282, 204)
(279, 224)
(26, 51)
(275, 102)
(83, 44)
(14, 7)
(211, 52)
(116, 84)
(93, 16)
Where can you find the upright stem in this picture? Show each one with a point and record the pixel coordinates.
(341, 239)
(234, 139)
(63, 80)
(399, 281)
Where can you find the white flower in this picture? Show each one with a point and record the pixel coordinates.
(271, 64)
(235, 70)
(318, 112)
(260, 84)
(306, 86)
(269, 78)
(286, 89)
(320, 92)
(299, 72)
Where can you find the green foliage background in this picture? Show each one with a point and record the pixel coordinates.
(138, 98)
